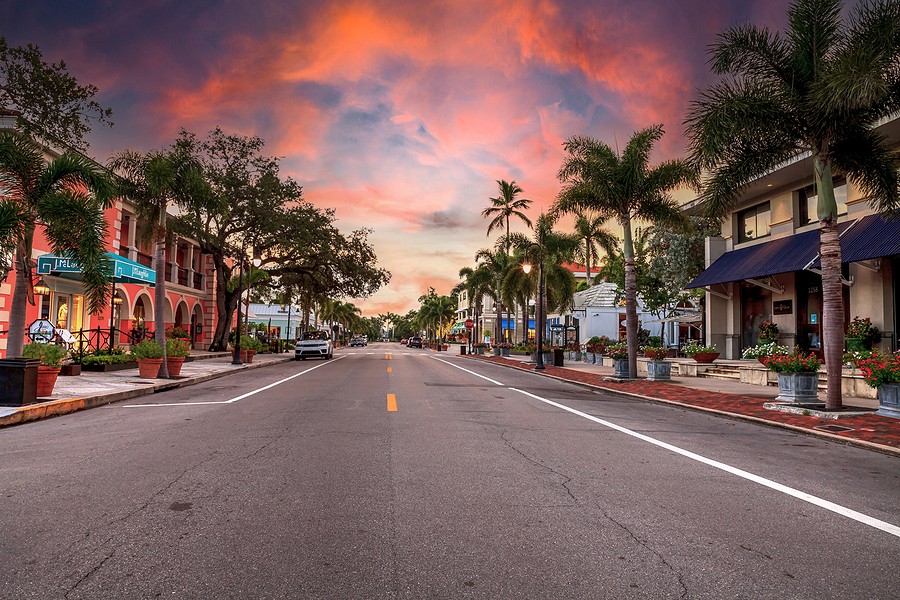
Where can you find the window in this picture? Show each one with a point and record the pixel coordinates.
(754, 222)
(809, 199)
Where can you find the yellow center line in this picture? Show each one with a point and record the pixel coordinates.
(392, 403)
(388, 357)
(390, 370)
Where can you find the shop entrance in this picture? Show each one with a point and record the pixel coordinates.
(756, 307)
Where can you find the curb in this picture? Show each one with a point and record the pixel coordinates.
(823, 434)
(63, 406)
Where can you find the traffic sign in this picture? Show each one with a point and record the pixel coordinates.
(470, 323)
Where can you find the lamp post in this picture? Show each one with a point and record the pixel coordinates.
(539, 312)
(257, 260)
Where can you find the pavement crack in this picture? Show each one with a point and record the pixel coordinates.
(566, 479)
(91, 572)
(643, 544)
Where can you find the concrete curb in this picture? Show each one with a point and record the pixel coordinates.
(824, 434)
(62, 406)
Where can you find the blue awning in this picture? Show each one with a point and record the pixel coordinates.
(870, 237)
(120, 268)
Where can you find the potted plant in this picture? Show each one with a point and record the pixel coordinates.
(764, 349)
(798, 378)
(179, 333)
(882, 372)
(595, 347)
(657, 367)
(251, 345)
(504, 347)
(768, 331)
(852, 358)
(700, 353)
(619, 354)
(51, 357)
(479, 347)
(861, 334)
(177, 350)
(149, 356)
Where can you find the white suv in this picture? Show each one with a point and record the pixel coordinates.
(314, 344)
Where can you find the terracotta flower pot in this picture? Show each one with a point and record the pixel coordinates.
(174, 364)
(250, 355)
(762, 359)
(46, 379)
(706, 357)
(148, 368)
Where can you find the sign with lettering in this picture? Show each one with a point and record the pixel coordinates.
(41, 331)
(783, 307)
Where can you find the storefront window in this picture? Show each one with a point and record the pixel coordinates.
(62, 312)
(756, 305)
(754, 222)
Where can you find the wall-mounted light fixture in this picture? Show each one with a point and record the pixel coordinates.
(41, 288)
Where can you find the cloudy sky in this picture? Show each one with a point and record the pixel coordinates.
(400, 114)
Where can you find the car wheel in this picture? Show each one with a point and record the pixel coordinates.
(329, 357)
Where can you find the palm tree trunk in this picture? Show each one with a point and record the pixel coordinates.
(587, 267)
(159, 296)
(631, 320)
(833, 311)
(15, 338)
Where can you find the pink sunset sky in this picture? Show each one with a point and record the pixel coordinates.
(399, 114)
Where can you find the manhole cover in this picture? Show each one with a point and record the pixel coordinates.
(834, 428)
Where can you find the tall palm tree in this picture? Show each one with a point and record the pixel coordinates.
(497, 262)
(820, 87)
(626, 188)
(592, 236)
(153, 181)
(506, 205)
(66, 197)
(438, 312)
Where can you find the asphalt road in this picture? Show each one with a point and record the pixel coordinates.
(302, 481)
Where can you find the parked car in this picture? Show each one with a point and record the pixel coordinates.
(415, 342)
(314, 344)
(358, 341)
(403, 342)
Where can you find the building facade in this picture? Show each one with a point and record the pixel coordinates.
(765, 264)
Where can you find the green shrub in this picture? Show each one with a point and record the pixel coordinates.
(50, 355)
(177, 347)
(147, 349)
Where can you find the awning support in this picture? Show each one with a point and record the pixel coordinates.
(847, 282)
(778, 289)
(872, 265)
(717, 294)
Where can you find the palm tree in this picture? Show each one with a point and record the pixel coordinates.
(151, 181)
(497, 262)
(438, 312)
(559, 282)
(477, 282)
(589, 229)
(66, 196)
(626, 188)
(819, 88)
(506, 205)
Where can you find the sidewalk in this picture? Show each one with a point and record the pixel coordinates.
(91, 389)
(860, 426)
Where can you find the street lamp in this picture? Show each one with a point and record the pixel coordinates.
(257, 260)
(237, 330)
(539, 312)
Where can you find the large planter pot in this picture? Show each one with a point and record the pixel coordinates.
(620, 368)
(889, 400)
(174, 364)
(148, 368)
(250, 355)
(496, 351)
(46, 379)
(857, 344)
(548, 358)
(70, 370)
(799, 388)
(504, 351)
(659, 370)
(479, 351)
(244, 357)
(706, 357)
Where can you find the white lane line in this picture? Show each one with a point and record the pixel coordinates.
(242, 396)
(494, 381)
(820, 502)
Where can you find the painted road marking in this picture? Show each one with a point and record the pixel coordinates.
(388, 357)
(494, 381)
(392, 403)
(820, 502)
(242, 396)
(390, 370)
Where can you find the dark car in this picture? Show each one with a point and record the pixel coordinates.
(414, 342)
(358, 341)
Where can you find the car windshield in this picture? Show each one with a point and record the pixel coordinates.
(314, 335)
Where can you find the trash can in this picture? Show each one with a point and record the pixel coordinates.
(18, 381)
(557, 357)
(462, 350)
